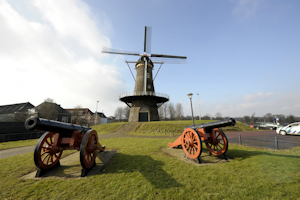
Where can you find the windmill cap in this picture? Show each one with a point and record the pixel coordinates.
(141, 60)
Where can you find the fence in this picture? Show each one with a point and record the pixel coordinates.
(267, 141)
(20, 136)
(14, 131)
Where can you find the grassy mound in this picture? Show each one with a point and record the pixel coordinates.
(162, 128)
(107, 128)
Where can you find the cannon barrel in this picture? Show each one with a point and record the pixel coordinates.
(216, 124)
(36, 123)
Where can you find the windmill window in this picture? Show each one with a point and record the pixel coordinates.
(149, 86)
(148, 75)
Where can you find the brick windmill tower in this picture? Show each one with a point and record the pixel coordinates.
(144, 101)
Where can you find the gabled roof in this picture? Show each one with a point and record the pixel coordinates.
(13, 108)
(101, 115)
(56, 107)
(84, 110)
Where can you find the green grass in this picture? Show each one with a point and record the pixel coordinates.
(107, 128)
(162, 128)
(20, 143)
(140, 170)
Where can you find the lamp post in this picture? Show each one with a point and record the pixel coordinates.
(96, 120)
(199, 107)
(190, 95)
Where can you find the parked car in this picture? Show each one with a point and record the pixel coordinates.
(267, 125)
(293, 128)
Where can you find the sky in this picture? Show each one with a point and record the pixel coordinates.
(243, 56)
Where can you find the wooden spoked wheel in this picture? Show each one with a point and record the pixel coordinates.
(46, 155)
(217, 143)
(88, 149)
(191, 143)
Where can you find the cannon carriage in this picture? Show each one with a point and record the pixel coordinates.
(61, 136)
(214, 138)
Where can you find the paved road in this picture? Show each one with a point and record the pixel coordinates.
(265, 139)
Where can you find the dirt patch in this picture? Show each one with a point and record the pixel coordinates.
(121, 132)
(205, 158)
(70, 167)
(128, 127)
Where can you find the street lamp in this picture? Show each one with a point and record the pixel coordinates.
(96, 120)
(199, 107)
(190, 95)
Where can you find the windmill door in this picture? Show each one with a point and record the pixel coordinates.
(143, 114)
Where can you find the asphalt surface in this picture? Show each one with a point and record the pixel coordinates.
(263, 139)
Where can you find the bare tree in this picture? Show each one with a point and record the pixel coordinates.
(268, 117)
(253, 117)
(49, 100)
(171, 111)
(165, 110)
(161, 112)
(206, 117)
(247, 119)
(119, 113)
(46, 110)
(77, 116)
(126, 111)
(218, 116)
(179, 111)
(290, 119)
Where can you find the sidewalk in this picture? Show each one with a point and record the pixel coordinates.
(16, 151)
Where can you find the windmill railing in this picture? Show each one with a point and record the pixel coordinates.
(157, 94)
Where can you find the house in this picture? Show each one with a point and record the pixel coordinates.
(15, 112)
(52, 111)
(99, 118)
(110, 119)
(80, 116)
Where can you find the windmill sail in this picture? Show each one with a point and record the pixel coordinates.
(119, 51)
(147, 39)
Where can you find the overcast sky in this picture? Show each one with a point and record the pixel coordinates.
(243, 56)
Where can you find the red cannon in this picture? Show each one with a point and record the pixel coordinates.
(209, 133)
(63, 136)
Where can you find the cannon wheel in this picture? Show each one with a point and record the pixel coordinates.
(191, 143)
(45, 156)
(88, 149)
(217, 145)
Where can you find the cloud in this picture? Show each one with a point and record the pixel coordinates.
(71, 21)
(56, 54)
(258, 96)
(260, 103)
(247, 8)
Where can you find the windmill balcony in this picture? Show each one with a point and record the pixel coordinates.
(137, 98)
(154, 94)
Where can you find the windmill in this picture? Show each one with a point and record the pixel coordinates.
(144, 101)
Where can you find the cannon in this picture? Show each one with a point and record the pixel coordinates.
(209, 133)
(61, 136)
